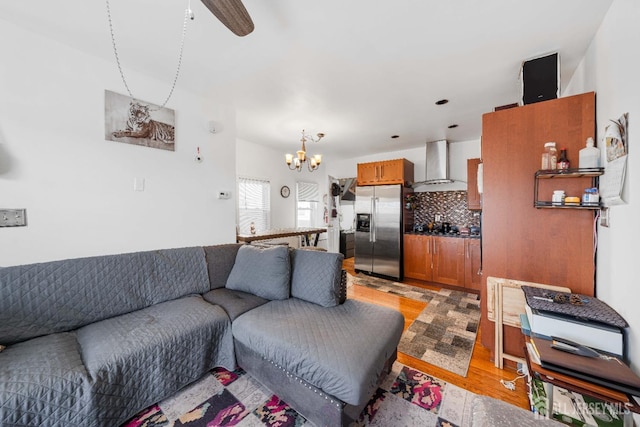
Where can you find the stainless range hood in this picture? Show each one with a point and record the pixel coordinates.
(437, 164)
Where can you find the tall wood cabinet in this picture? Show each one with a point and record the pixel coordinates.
(519, 241)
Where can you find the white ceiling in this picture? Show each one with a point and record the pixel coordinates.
(357, 70)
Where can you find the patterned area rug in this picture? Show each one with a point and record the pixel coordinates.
(444, 333)
(407, 397)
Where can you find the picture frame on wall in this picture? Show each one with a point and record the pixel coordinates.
(136, 122)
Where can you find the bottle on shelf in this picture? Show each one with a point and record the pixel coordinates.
(558, 197)
(563, 161)
(591, 197)
(589, 157)
(550, 156)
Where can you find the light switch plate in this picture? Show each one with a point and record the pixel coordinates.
(13, 217)
(138, 184)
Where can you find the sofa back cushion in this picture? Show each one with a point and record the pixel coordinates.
(316, 276)
(264, 272)
(58, 296)
(220, 260)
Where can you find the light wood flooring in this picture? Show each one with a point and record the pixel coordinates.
(482, 378)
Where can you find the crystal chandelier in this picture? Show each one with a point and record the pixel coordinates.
(312, 162)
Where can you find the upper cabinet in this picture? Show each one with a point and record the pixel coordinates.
(399, 171)
(474, 201)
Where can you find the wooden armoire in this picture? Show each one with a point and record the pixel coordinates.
(520, 241)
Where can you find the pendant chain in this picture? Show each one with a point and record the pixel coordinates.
(187, 15)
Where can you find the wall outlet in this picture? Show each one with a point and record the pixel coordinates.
(13, 217)
(438, 217)
(604, 217)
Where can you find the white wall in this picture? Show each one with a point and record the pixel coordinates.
(77, 187)
(610, 68)
(257, 161)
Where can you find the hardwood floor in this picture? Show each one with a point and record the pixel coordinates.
(482, 378)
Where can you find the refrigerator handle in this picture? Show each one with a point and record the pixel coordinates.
(374, 218)
(372, 221)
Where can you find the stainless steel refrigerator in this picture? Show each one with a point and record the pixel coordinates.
(378, 237)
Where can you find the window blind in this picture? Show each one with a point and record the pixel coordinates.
(254, 204)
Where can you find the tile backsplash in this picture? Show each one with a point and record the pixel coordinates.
(451, 205)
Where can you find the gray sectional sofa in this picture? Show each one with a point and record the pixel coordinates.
(92, 341)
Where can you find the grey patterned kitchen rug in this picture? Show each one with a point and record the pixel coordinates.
(444, 333)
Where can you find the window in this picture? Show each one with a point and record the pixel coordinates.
(254, 204)
(307, 204)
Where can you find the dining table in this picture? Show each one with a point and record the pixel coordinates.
(307, 234)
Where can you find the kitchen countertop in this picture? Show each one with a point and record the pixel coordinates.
(459, 236)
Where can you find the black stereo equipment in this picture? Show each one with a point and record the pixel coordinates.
(540, 79)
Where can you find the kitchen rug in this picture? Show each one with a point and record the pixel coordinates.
(407, 397)
(444, 333)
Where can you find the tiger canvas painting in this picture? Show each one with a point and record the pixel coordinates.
(133, 121)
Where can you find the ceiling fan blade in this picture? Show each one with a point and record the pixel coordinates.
(232, 14)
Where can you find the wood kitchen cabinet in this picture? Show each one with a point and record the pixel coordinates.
(474, 200)
(448, 260)
(399, 171)
(445, 260)
(519, 241)
(472, 264)
(417, 257)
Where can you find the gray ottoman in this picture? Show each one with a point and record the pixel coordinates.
(335, 356)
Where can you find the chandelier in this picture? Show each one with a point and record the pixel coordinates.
(312, 162)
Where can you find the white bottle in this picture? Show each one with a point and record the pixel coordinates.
(589, 157)
(550, 156)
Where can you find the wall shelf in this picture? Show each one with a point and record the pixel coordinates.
(592, 173)
(569, 173)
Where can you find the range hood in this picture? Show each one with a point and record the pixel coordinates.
(437, 164)
(347, 188)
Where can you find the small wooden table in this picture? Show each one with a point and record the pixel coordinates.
(620, 400)
(283, 232)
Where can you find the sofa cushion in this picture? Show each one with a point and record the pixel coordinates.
(234, 303)
(43, 382)
(139, 358)
(59, 296)
(316, 276)
(220, 260)
(341, 350)
(264, 272)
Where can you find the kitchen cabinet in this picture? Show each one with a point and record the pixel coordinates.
(398, 171)
(347, 244)
(417, 257)
(472, 264)
(474, 201)
(519, 241)
(445, 260)
(448, 260)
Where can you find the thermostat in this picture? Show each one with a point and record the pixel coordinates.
(224, 194)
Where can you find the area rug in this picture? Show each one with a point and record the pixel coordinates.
(407, 397)
(444, 333)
